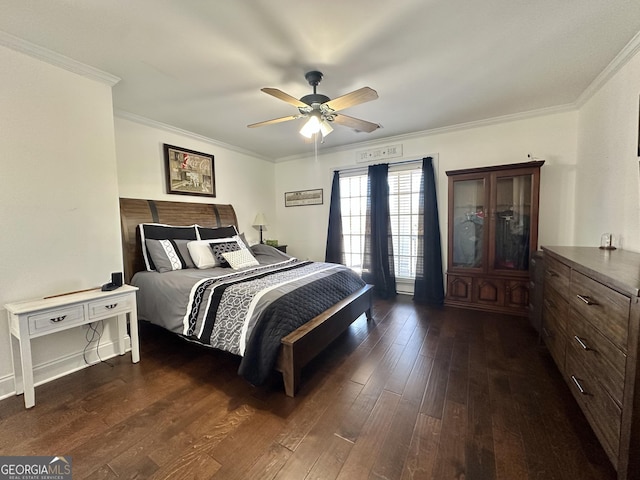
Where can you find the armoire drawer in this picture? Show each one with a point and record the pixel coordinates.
(603, 307)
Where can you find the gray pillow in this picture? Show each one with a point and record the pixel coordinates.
(159, 231)
(169, 254)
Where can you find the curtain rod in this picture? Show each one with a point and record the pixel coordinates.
(402, 162)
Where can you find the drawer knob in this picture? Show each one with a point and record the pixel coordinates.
(587, 299)
(577, 382)
(581, 342)
(553, 274)
(110, 307)
(58, 319)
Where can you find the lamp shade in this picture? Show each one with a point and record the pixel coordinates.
(260, 220)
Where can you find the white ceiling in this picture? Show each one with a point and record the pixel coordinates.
(199, 65)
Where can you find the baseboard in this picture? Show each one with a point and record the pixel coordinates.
(59, 367)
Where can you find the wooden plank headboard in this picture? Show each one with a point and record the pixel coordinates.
(135, 211)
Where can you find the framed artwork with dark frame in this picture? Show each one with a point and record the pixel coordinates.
(189, 172)
(303, 197)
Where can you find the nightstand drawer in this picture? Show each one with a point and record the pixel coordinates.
(108, 307)
(56, 319)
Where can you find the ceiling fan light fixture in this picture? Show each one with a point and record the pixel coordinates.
(320, 111)
(325, 128)
(310, 127)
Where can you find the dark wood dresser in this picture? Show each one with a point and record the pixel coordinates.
(591, 316)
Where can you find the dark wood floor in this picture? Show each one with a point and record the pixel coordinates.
(419, 393)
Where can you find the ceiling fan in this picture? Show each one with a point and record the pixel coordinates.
(321, 111)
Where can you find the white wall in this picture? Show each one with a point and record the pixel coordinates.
(58, 191)
(242, 180)
(551, 137)
(607, 198)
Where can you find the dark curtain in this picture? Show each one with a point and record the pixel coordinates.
(429, 281)
(377, 265)
(335, 247)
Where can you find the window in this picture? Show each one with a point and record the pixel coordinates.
(404, 191)
(353, 205)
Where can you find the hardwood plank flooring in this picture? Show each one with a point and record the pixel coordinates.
(417, 393)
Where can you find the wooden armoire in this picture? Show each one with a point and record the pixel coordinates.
(492, 233)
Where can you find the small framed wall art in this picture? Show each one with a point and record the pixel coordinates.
(189, 172)
(303, 197)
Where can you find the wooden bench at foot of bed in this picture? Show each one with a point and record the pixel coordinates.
(302, 345)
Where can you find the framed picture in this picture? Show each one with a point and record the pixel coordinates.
(189, 172)
(303, 197)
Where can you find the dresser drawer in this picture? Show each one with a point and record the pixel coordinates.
(553, 334)
(56, 319)
(557, 275)
(108, 307)
(605, 362)
(557, 304)
(601, 410)
(603, 307)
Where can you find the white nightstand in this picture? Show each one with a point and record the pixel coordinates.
(35, 318)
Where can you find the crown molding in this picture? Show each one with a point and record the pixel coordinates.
(620, 60)
(56, 59)
(437, 131)
(185, 133)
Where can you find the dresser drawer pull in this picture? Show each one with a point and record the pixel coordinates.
(546, 332)
(586, 299)
(581, 342)
(552, 273)
(110, 307)
(577, 382)
(58, 319)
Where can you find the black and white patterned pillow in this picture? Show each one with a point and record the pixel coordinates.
(158, 231)
(224, 247)
(167, 255)
(240, 259)
(201, 251)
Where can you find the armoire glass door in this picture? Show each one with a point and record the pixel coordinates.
(511, 232)
(468, 223)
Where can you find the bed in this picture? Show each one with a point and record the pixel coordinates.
(171, 301)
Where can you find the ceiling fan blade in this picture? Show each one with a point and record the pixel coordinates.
(275, 120)
(274, 92)
(355, 123)
(364, 94)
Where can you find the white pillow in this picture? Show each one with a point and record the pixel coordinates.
(240, 259)
(202, 254)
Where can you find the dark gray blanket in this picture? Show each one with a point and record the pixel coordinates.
(248, 313)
